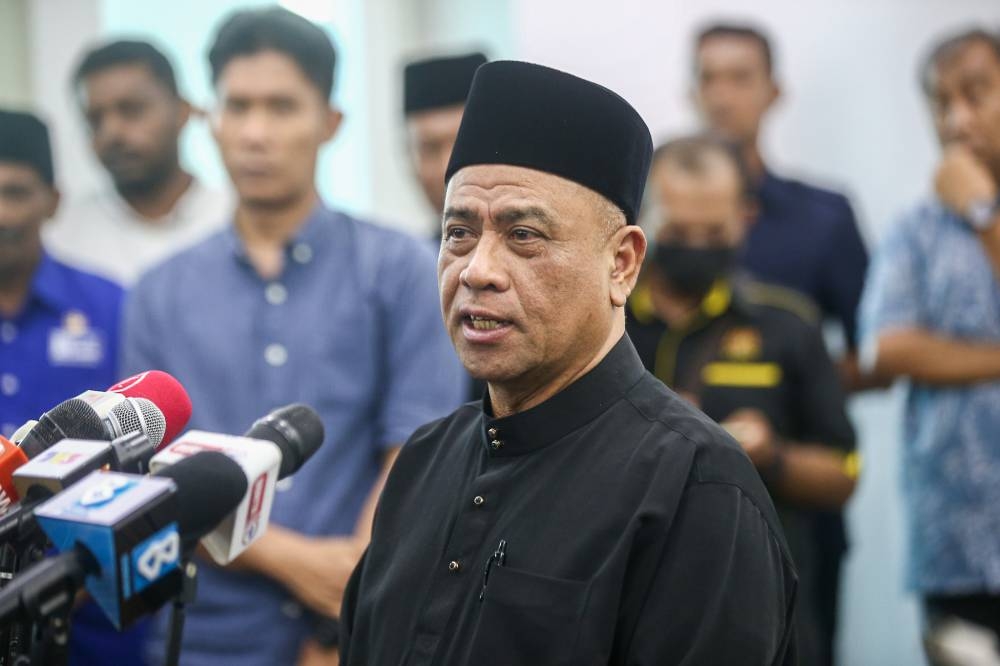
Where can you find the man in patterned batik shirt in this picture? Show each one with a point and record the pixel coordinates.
(931, 313)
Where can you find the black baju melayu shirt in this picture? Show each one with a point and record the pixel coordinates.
(755, 346)
(634, 531)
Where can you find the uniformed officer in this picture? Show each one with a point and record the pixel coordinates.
(749, 355)
(581, 513)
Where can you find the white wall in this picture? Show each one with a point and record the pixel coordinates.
(852, 116)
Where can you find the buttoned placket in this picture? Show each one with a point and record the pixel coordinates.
(477, 511)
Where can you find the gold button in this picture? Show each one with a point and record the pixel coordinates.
(492, 432)
(478, 500)
(454, 565)
(496, 444)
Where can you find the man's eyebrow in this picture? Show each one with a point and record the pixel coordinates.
(515, 215)
(461, 214)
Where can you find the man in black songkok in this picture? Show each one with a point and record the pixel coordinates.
(581, 513)
(434, 92)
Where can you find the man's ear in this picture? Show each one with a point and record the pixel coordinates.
(628, 246)
(334, 118)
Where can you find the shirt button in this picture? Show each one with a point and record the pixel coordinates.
(291, 609)
(492, 432)
(8, 332)
(276, 294)
(454, 566)
(9, 384)
(496, 444)
(478, 500)
(302, 253)
(275, 355)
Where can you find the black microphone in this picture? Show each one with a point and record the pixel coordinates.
(296, 429)
(124, 537)
(70, 419)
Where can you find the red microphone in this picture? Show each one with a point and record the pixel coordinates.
(163, 391)
(11, 457)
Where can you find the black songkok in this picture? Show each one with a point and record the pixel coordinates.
(25, 139)
(532, 116)
(436, 83)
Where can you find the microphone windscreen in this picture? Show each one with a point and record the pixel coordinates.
(210, 485)
(166, 393)
(138, 415)
(296, 429)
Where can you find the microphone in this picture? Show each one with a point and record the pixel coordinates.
(163, 391)
(70, 419)
(11, 457)
(124, 537)
(274, 447)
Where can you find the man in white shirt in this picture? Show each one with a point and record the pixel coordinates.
(129, 97)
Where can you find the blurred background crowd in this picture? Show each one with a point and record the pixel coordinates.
(822, 210)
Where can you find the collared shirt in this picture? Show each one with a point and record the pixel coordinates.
(611, 524)
(755, 346)
(932, 273)
(103, 233)
(63, 342)
(351, 327)
(806, 238)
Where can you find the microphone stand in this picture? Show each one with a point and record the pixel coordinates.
(186, 595)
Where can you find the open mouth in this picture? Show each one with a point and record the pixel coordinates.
(485, 323)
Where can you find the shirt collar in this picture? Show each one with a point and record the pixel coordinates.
(48, 286)
(309, 235)
(719, 299)
(573, 407)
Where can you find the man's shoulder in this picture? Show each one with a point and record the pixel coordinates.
(382, 240)
(780, 305)
(812, 193)
(189, 262)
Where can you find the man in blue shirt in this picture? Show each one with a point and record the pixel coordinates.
(292, 302)
(802, 237)
(931, 313)
(58, 331)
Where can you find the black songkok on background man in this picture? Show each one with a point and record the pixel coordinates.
(581, 513)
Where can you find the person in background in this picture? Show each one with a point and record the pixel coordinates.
(129, 97)
(59, 333)
(801, 236)
(434, 92)
(931, 315)
(292, 302)
(749, 355)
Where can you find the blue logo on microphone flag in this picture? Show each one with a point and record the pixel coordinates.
(152, 559)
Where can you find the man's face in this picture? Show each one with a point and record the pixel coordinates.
(25, 202)
(699, 210)
(135, 123)
(270, 123)
(733, 88)
(525, 272)
(431, 137)
(965, 100)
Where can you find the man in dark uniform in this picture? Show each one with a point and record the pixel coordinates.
(750, 356)
(802, 236)
(581, 513)
(434, 92)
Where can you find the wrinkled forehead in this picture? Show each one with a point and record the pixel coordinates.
(502, 185)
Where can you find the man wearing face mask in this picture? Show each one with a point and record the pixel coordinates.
(749, 355)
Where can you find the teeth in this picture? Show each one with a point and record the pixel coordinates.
(484, 324)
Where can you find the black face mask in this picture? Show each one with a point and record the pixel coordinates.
(692, 270)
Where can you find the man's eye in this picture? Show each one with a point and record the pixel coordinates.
(523, 234)
(456, 233)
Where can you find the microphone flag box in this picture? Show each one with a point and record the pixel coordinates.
(103, 402)
(260, 460)
(128, 523)
(61, 465)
